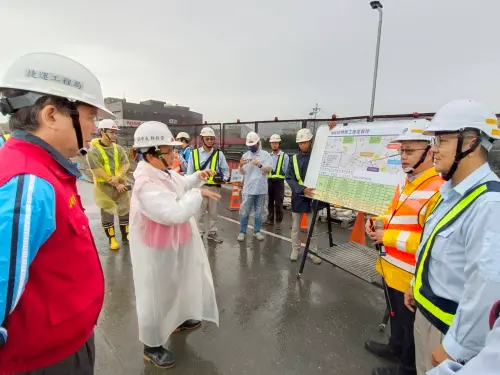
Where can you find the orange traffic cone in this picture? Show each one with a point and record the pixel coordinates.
(234, 204)
(303, 223)
(358, 231)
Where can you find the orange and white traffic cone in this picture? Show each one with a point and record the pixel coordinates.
(234, 204)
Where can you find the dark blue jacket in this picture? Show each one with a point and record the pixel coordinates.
(300, 203)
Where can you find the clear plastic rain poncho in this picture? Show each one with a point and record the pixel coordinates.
(113, 161)
(172, 276)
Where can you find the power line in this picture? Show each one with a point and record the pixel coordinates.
(315, 111)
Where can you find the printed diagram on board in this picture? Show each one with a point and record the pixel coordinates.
(359, 172)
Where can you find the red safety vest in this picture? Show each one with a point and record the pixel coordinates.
(64, 293)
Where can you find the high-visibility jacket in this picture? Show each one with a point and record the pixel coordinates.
(105, 160)
(438, 310)
(296, 169)
(403, 224)
(213, 164)
(279, 172)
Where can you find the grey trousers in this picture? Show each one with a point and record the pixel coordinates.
(296, 219)
(79, 363)
(207, 215)
(427, 338)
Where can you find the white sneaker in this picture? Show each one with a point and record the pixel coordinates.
(294, 256)
(314, 258)
(241, 237)
(259, 236)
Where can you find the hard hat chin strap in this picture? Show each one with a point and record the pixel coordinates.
(420, 161)
(459, 155)
(159, 155)
(75, 117)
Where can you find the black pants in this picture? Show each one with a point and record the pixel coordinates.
(276, 194)
(79, 363)
(401, 340)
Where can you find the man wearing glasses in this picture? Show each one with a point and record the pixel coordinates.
(399, 231)
(208, 157)
(109, 164)
(457, 278)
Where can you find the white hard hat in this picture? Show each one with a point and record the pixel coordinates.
(304, 135)
(57, 75)
(464, 113)
(153, 134)
(107, 124)
(275, 138)
(414, 131)
(207, 132)
(252, 139)
(183, 135)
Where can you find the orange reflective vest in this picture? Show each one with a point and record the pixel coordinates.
(176, 164)
(403, 224)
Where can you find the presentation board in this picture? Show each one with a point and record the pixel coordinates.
(356, 165)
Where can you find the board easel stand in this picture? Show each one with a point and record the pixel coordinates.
(352, 257)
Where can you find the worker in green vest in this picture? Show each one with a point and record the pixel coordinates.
(209, 157)
(457, 277)
(3, 139)
(276, 182)
(109, 164)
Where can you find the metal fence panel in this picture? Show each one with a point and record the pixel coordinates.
(234, 137)
(286, 129)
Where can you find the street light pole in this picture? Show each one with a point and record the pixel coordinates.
(378, 6)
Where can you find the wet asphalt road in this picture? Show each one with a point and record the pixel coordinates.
(270, 322)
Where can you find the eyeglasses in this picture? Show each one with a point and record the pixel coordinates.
(408, 151)
(438, 140)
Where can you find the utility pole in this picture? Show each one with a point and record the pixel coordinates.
(376, 5)
(315, 111)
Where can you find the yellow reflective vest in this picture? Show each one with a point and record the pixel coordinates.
(105, 159)
(440, 311)
(278, 172)
(213, 164)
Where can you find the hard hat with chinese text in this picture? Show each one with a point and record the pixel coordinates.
(153, 134)
(42, 73)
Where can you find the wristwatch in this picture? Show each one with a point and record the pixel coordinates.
(260, 165)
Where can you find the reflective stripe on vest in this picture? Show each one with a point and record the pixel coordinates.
(213, 164)
(407, 219)
(295, 162)
(278, 172)
(441, 311)
(106, 165)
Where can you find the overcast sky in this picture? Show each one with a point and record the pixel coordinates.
(258, 59)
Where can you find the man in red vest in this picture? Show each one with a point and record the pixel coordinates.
(51, 280)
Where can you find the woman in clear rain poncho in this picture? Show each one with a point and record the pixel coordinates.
(172, 277)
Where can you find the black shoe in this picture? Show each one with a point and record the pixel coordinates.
(160, 357)
(392, 371)
(381, 350)
(268, 222)
(189, 325)
(124, 232)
